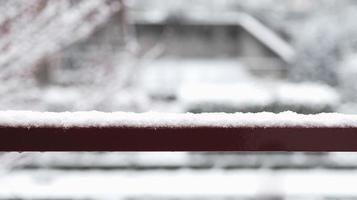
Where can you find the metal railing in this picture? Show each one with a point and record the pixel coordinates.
(178, 139)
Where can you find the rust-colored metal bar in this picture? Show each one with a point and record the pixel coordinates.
(178, 139)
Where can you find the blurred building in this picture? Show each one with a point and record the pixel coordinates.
(198, 56)
(211, 35)
(181, 34)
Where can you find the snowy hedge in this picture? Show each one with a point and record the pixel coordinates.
(301, 98)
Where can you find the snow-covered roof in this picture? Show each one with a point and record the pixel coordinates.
(174, 120)
(252, 25)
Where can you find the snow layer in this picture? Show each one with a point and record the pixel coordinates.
(155, 120)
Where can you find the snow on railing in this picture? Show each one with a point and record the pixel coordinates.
(119, 131)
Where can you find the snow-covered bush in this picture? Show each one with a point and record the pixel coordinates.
(274, 97)
(321, 31)
(78, 48)
(306, 98)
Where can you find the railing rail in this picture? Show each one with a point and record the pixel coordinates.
(178, 139)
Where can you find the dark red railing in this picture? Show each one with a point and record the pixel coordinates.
(178, 139)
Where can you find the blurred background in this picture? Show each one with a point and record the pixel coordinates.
(178, 56)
